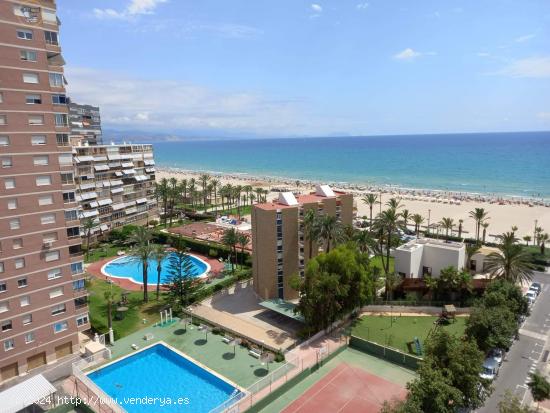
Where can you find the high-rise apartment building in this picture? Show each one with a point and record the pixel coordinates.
(280, 248)
(43, 302)
(85, 124)
(115, 185)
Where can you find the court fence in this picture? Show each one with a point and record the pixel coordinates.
(387, 353)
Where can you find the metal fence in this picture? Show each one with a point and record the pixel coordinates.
(273, 382)
(87, 391)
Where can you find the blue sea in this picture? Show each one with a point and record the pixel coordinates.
(508, 164)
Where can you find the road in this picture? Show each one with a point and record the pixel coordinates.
(526, 353)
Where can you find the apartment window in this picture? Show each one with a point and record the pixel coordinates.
(61, 119)
(2, 267)
(19, 263)
(59, 327)
(27, 319)
(4, 306)
(21, 283)
(15, 223)
(73, 232)
(3, 285)
(29, 337)
(427, 271)
(30, 78)
(28, 55)
(9, 183)
(71, 215)
(56, 79)
(75, 250)
(25, 301)
(49, 237)
(17, 244)
(65, 159)
(40, 160)
(36, 120)
(59, 99)
(51, 256)
(1, 97)
(59, 309)
(12, 203)
(78, 285)
(68, 197)
(56, 293)
(43, 180)
(77, 268)
(7, 325)
(4, 140)
(47, 219)
(38, 140)
(55, 273)
(45, 200)
(67, 178)
(6, 162)
(31, 14)
(3, 120)
(62, 139)
(51, 37)
(81, 320)
(80, 302)
(33, 99)
(24, 34)
(9, 344)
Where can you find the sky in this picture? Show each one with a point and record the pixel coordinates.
(301, 68)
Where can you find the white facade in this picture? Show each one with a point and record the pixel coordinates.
(428, 257)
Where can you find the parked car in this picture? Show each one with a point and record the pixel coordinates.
(536, 286)
(490, 369)
(531, 296)
(496, 354)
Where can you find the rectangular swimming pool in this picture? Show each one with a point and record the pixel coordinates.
(158, 379)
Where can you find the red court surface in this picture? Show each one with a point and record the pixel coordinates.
(347, 389)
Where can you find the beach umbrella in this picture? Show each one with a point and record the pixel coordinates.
(235, 342)
(267, 358)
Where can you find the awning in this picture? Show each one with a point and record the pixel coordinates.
(116, 182)
(127, 164)
(113, 157)
(116, 207)
(130, 203)
(141, 200)
(105, 184)
(100, 158)
(131, 210)
(94, 204)
(282, 307)
(88, 214)
(104, 227)
(88, 195)
(79, 159)
(25, 394)
(118, 173)
(116, 190)
(141, 177)
(103, 202)
(114, 164)
(128, 171)
(150, 170)
(126, 156)
(149, 162)
(101, 167)
(88, 185)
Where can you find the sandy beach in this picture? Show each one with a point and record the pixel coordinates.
(503, 213)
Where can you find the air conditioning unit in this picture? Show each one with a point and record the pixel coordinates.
(48, 244)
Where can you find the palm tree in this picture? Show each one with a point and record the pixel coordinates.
(370, 200)
(471, 250)
(242, 240)
(418, 220)
(161, 190)
(311, 229)
(394, 203)
(507, 238)
(540, 387)
(183, 188)
(230, 239)
(484, 225)
(248, 190)
(110, 298)
(448, 224)
(479, 215)
(392, 282)
(159, 253)
(510, 263)
(527, 239)
(330, 230)
(460, 222)
(543, 239)
(388, 222)
(203, 179)
(514, 229)
(215, 182)
(405, 214)
(141, 251)
(365, 242)
(88, 225)
(173, 195)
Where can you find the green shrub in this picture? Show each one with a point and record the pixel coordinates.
(217, 331)
(153, 222)
(279, 357)
(213, 252)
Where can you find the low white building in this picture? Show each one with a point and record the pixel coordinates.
(421, 257)
(478, 263)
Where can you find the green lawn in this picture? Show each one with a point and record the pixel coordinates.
(377, 262)
(404, 329)
(105, 250)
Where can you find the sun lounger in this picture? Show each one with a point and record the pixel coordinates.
(148, 337)
(255, 353)
(227, 339)
(134, 346)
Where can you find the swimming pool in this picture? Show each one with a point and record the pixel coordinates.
(128, 267)
(162, 380)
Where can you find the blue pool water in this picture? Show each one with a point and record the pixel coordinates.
(128, 267)
(159, 372)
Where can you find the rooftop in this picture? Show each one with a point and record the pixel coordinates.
(289, 200)
(437, 243)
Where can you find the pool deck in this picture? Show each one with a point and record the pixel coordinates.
(94, 269)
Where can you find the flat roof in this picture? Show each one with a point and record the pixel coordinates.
(282, 307)
(302, 199)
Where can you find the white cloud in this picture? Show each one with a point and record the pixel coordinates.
(407, 54)
(133, 9)
(532, 67)
(523, 39)
(544, 116)
(483, 54)
(316, 8)
(362, 6)
(152, 104)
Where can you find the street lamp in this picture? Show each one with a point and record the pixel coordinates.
(429, 216)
